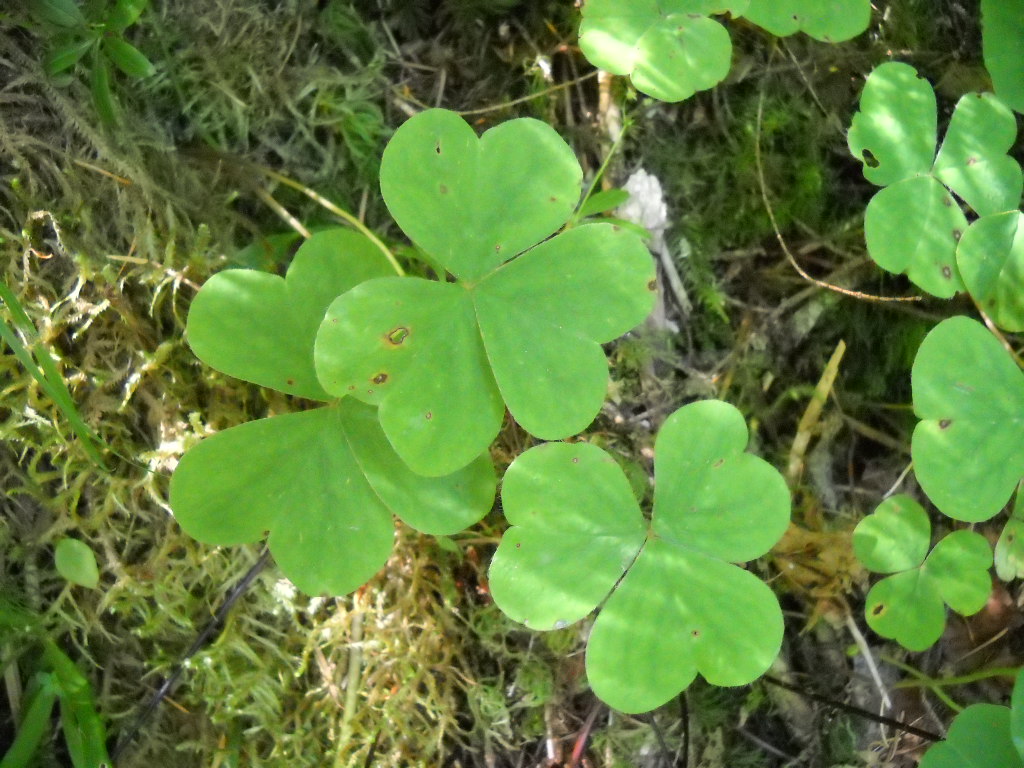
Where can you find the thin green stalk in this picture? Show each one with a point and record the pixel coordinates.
(973, 677)
(924, 681)
(600, 173)
(42, 367)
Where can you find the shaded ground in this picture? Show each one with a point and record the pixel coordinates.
(418, 667)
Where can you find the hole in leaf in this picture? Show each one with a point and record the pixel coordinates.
(695, 633)
(437, 147)
(575, 459)
(944, 424)
(428, 415)
(947, 272)
(869, 158)
(957, 234)
(398, 335)
(497, 248)
(878, 610)
(519, 545)
(380, 378)
(971, 160)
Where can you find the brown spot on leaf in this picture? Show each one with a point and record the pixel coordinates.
(947, 272)
(971, 161)
(947, 201)
(428, 415)
(290, 382)
(695, 633)
(878, 610)
(380, 378)
(553, 199)
(398, 335)
(869, 158)
(652, 284)
(519, 545)
(575, 459)
(957, 234)
(437, 147)
(351, 387)
(944, 424)
(718, 463)
(443, 189)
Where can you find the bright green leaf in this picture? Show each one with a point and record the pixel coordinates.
(260, 327)
(602, 201)
(76, 562)
(668, 47)
(831, 21)
(913, 227)
(908, 606)
(521, 329)
(894, 538)
(991, 261)
(474, 203)
(970, 396)
(125, 13)
(1009, 555)
(325, 484)
(914, 224)
(128, 58)
(682, 607)
(978, 738)
(67, 56)
(1002, 38)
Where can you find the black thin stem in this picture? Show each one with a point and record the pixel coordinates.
(202, 639)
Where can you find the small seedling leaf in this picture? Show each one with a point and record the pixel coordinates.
(260, 327)
(601, 202)
(128, 58)
(61, 13)
(125, 13)
(325, 484)
(1002, 38)
(682, 607)
(67, 56)
(908, 606)
(831, 21)
(670, 48)
(76, 562)
(913, 226)
(524, 323)
(1009, 555)
(978, 738)
(970, 396)
(991, 261)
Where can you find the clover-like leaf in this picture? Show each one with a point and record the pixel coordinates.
(914, 224)
(970, 396)
(1002, 33)
(980, 737)
(908, 606)
(326, 482)
(991, 261)
(1009, 553)
(521, 329)
(669, 48)
(1017, 714)
(831, 21)
(260, 327)
(675, 605)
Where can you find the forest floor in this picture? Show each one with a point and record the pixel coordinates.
(107, 232)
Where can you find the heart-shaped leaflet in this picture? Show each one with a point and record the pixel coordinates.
(523, 323)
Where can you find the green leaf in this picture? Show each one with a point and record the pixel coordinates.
(1002, 38)
(908, 606)
(125, 13)
(831, 21)
(128, 58)
(1009, 555)
(991, 261)
(474, 203)
(603, 201)
(67, 56)
(102, 96)
(442, 359)
(259, 327)
(970, 396)
(266, 252)
(913, 226)
(682, 607)
(668, 47)
(325, 484)
(1017, 714)
(76, 562)
(978, 738)
(61, 13)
